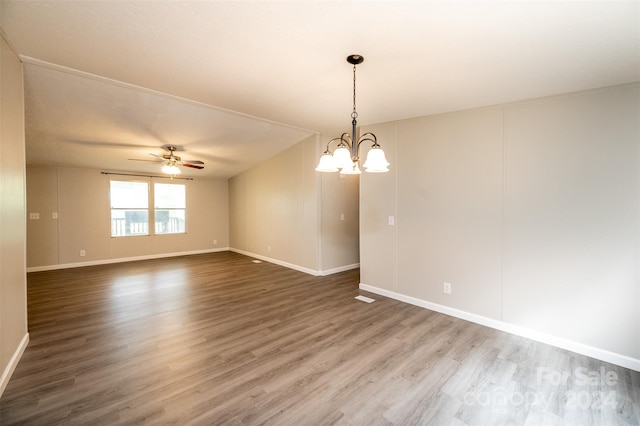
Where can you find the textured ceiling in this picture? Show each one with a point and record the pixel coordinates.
(74, 120)
(284, 62)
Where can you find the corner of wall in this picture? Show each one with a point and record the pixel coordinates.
(13, 363)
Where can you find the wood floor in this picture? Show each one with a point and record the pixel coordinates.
(216, 339)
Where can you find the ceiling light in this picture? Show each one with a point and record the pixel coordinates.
(171, 168)
(347, 154)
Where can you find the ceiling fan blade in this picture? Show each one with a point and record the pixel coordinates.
(192, 166)
(150, 161)
(193, 162)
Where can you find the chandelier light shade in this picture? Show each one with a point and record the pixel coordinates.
(342, 155)
(376, 161)
(327, 163)
(352, 169)
(346, 156)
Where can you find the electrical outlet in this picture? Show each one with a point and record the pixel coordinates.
(392, 220)
(34, 216)
(341, 216)
(83, 253)
(54, 215)
(446, 288)
(215, 242)
(269, 249)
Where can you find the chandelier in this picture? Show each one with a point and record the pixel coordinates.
(347, 153)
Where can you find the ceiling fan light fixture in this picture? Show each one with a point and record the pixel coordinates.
(171, 163)
(171, 169)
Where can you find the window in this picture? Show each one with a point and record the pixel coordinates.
(170, 206)
(129, 208)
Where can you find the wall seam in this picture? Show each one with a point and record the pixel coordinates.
(58, 211)
(395, 207)
(320, 233)
(503, 211)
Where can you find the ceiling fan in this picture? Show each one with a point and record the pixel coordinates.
(173, 162)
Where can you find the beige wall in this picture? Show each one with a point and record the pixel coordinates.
(274, 208)
(81, 199)
(339, 238)
(13, 300)
(530, 210)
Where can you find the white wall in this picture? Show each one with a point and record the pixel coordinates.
(530, 210)
(284, 211)
(274, 209)
(13, 288)
(81, 199)
(571, 228)
(339, 221)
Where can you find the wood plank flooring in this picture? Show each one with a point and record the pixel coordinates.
(216, 339)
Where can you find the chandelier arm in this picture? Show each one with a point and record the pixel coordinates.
(345, 139)
(326, 151)
(368, 137)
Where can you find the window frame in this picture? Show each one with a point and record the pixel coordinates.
(170, 209)
(128, 209)
(151, 209)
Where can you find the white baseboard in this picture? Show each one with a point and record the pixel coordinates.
(277, 262)
(13, 363)
(309, 271)
(123, 259)
(187, 253)
(570, 345)
(339, 269)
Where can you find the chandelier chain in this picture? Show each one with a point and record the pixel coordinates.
(354, 114)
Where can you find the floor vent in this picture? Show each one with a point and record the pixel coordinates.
(256, 261)
(365, 299)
